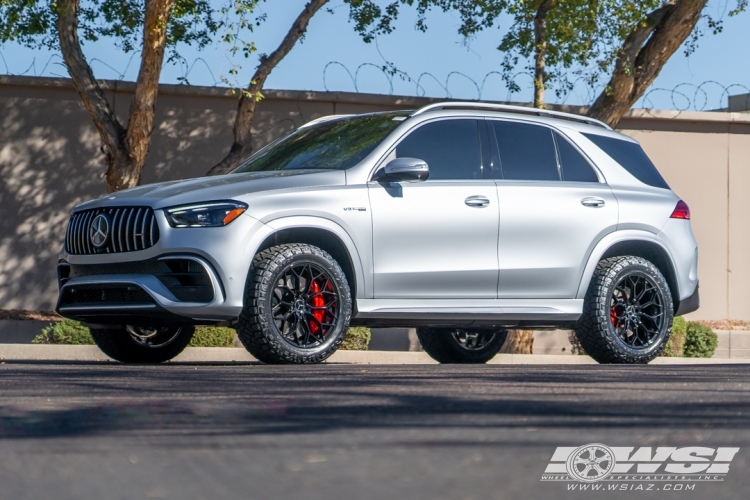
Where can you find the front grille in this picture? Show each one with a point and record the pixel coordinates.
(130, 229)
(103, 294)
(185, 278)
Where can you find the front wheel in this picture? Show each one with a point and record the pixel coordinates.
(137, 344)
(456, 345)
(627, 312)
(297, 305)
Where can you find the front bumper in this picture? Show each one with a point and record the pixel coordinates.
(120, 288)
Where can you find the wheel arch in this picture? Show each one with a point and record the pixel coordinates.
(639, 246)
(326, 239)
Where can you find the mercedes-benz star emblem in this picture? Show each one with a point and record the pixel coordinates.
(99, 230)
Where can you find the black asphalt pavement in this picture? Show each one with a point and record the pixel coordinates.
(247, 431)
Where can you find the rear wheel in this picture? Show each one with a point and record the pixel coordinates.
(297, 305)
(457, 345)
(137, 344)
(627, 312)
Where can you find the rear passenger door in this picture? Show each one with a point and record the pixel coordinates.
(553, 211)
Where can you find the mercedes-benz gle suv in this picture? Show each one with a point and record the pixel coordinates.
(463, 220)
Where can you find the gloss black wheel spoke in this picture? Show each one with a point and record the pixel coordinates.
(304, 304)
(637, 311)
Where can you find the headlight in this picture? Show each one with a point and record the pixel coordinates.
(210, 214)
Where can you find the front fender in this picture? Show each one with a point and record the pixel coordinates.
(308, 222)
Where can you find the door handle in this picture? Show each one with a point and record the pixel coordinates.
(477, 201)
(592, 202)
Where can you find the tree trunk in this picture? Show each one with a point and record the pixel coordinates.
(519, 342)
(242, 145)
(642, 56)
(540, 48)
(111, 132)
(143, 104)
(124, 149)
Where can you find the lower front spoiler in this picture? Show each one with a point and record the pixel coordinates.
(147, 315)
(138, 300)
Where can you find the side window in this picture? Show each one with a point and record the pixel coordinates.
(632, 157)
(573, 165)
(527, 151)
(450, 148)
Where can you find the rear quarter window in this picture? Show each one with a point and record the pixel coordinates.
(631, 157)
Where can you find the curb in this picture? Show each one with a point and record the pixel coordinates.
(89, 353)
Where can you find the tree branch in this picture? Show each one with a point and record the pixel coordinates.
(242, 147)
(642, 56)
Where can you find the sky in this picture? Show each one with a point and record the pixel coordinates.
(333, 57)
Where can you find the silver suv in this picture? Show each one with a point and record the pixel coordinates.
(463, 220)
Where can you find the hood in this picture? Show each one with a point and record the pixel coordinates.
(220, 187)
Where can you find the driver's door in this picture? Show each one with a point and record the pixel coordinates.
(438, 238)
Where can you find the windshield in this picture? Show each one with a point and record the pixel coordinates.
(331, 145)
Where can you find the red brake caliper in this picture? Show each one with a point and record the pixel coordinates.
(317, 301)
(613, 316)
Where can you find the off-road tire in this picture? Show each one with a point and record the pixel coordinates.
(442, 346)
(257, 329)
(594, 328)
(118, 344)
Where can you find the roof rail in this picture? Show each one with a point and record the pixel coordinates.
(512, 109)
(323, 119)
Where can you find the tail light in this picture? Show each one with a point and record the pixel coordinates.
(681, 211)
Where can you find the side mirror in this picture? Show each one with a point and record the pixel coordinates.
(404, 170)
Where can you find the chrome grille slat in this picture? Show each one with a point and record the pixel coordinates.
(131, 229)
(135, 230)
(119, 230)
(151, 230)
(79, 241)
(88, 248)
(143, 229)
(127, 228)
(115, 241)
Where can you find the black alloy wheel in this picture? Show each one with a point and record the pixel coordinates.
(627, 312)
(305, 304)
(637, 310)
(461, 345)
(138, 344)
(473, 340)
(297, 305)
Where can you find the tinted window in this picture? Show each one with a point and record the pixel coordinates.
(526, 151)
(632, 158)
(331, 145)
(450, 148)
(573, 165)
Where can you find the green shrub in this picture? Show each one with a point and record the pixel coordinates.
(212, 336)
(700, 341)
(357, 339)
(676, 342)
(66, 331)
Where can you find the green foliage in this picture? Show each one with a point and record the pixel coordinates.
(583, 37)
(357, 339)
(67, 332)
(212, 336)
(32, 23)
(700, 341)
(676, 342)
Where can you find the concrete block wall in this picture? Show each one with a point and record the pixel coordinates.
(50, 161)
